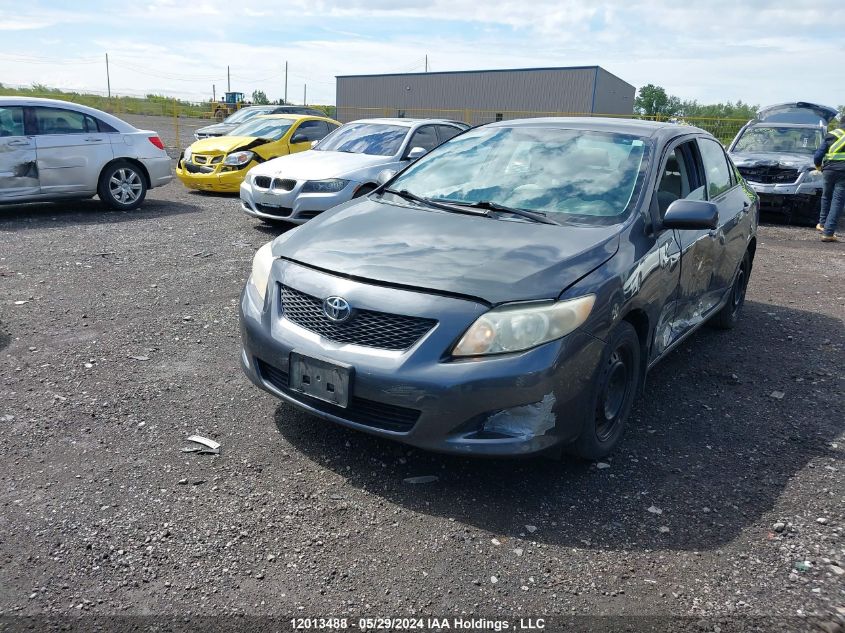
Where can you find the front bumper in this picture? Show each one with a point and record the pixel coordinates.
(531, 401)
(219, 181)
(292, 206)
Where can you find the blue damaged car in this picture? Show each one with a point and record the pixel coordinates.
(507, 293)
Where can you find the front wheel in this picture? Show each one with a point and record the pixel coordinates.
(122, 186)
(727, 317)
(618, 382)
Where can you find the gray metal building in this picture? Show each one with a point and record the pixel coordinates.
(479, 96)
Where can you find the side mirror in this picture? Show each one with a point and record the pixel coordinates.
(298, 138)
(691, 215)
(417, 152)
(314, 144)
(385, 175)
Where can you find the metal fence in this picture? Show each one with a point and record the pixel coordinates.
(723, 129)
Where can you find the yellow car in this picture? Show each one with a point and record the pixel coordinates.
(220, 163)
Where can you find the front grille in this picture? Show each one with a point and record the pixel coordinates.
(365, 327)
(198, 169)
(769, 175)
(262, 181)
(378, 415)
(281, 212)
(284, 184)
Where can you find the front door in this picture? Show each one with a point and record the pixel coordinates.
(18, 168)
(71, 151)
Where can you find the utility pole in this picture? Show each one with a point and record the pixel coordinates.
(213, 92)
(286, 82)
(228, 80)
(108, 78)
(426, 62)
(305, 95)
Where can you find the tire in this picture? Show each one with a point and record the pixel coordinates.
(727, 317)
(363, 190)
(219, 116)
(122, 186)
(615, 390)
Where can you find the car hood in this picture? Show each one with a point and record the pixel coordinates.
(224, 144)
(319, 165)
(489, 259)
(772, 159)
(217, 129)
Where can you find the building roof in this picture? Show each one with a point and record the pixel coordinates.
(491, 70)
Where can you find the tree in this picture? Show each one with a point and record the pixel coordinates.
(652, 101)
(259, 98)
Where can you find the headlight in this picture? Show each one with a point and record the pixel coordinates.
(187, 154)
(238, 159)
(324, 186)
(813, 176)
(261, 264)
(519, 327)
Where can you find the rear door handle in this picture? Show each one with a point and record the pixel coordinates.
(20, 142)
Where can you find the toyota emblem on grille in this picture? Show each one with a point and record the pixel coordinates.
(337, 309)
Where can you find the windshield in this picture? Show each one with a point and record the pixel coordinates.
(246, 114)
(271, 129)
(365, 138)
(593, 177)
(795, 140)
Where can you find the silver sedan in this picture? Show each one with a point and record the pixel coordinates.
(344, 165)
(52, 150)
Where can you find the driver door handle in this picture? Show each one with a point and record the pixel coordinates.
(93, 139)
(19, 142)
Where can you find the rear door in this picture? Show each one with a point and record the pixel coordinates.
(730, 238)
(18, 167)
(72, 150)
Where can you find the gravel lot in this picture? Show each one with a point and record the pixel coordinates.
(119, 338)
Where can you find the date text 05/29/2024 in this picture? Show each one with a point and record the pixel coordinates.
(417, 624)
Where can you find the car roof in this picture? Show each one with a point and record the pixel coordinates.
(636, 127)
(294, 117)
(118, 124)
(406, 122)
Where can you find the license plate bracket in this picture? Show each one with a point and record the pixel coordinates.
(321, 379)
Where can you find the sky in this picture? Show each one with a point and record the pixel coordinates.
(757, 51)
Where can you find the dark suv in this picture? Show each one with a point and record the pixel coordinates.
(774, 153)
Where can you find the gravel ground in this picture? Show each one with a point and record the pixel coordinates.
(119, 338)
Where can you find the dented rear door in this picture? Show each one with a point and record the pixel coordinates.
(18, 168)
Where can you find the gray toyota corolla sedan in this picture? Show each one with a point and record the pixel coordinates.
(507, 293)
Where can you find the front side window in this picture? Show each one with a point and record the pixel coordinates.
(792, 140)
(375, 139)
(11, 121)
(680, 178)
(425, 137)
(59, 121)
(715, 167)
(570, 175)
(268, 129)
(312, 130)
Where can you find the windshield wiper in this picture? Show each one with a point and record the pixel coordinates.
(489, 205)
(407, 195)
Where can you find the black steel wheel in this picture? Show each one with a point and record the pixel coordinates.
(727, 317)
(618, 380)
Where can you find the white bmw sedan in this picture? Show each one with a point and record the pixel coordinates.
(53, 150)
(344, 165)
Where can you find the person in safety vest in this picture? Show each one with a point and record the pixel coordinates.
(830, 160)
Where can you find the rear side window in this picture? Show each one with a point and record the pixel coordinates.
(445, 132)
(58, 121)
(715, 167)
(11, 121)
